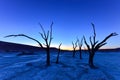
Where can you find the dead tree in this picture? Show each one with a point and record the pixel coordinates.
(47, 38)
(74, 48)
(95, 45)
(57, 60)
(80, 47)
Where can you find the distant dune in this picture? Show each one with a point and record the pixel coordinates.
(8, 46)
(110, 50)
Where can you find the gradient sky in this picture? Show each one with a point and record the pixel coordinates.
(72, 18)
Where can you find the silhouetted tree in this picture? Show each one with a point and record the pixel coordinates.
(80, 43)
(47, 38)
(57, 60)
(95, 45)
(74, 48)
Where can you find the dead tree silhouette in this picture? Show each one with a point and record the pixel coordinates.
(80, 43)
(95, 45)
(47, 38)
(74, 48)
(57, 60)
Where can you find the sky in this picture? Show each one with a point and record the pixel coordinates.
(72, 18)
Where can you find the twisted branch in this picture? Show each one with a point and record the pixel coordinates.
(26, 37)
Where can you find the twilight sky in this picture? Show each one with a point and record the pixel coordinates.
(72, 18)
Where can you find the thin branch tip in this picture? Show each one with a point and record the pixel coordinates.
(115, 34)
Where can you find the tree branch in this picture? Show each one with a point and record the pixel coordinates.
(73, 45)
(26, 37)
(91, 42)
(43, 30)
(104, 41)
(60, 45)
(50, 33)
(86, 43)
(94, 33)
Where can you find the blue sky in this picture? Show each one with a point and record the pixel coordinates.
(72, 18)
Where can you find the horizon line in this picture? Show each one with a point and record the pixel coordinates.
(62, 48)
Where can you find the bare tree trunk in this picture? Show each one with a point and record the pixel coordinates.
(57, 61)
(80, 53)
(48, 56)
(80, 47)
(91, 59)
(74, 48)
(74, 53)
